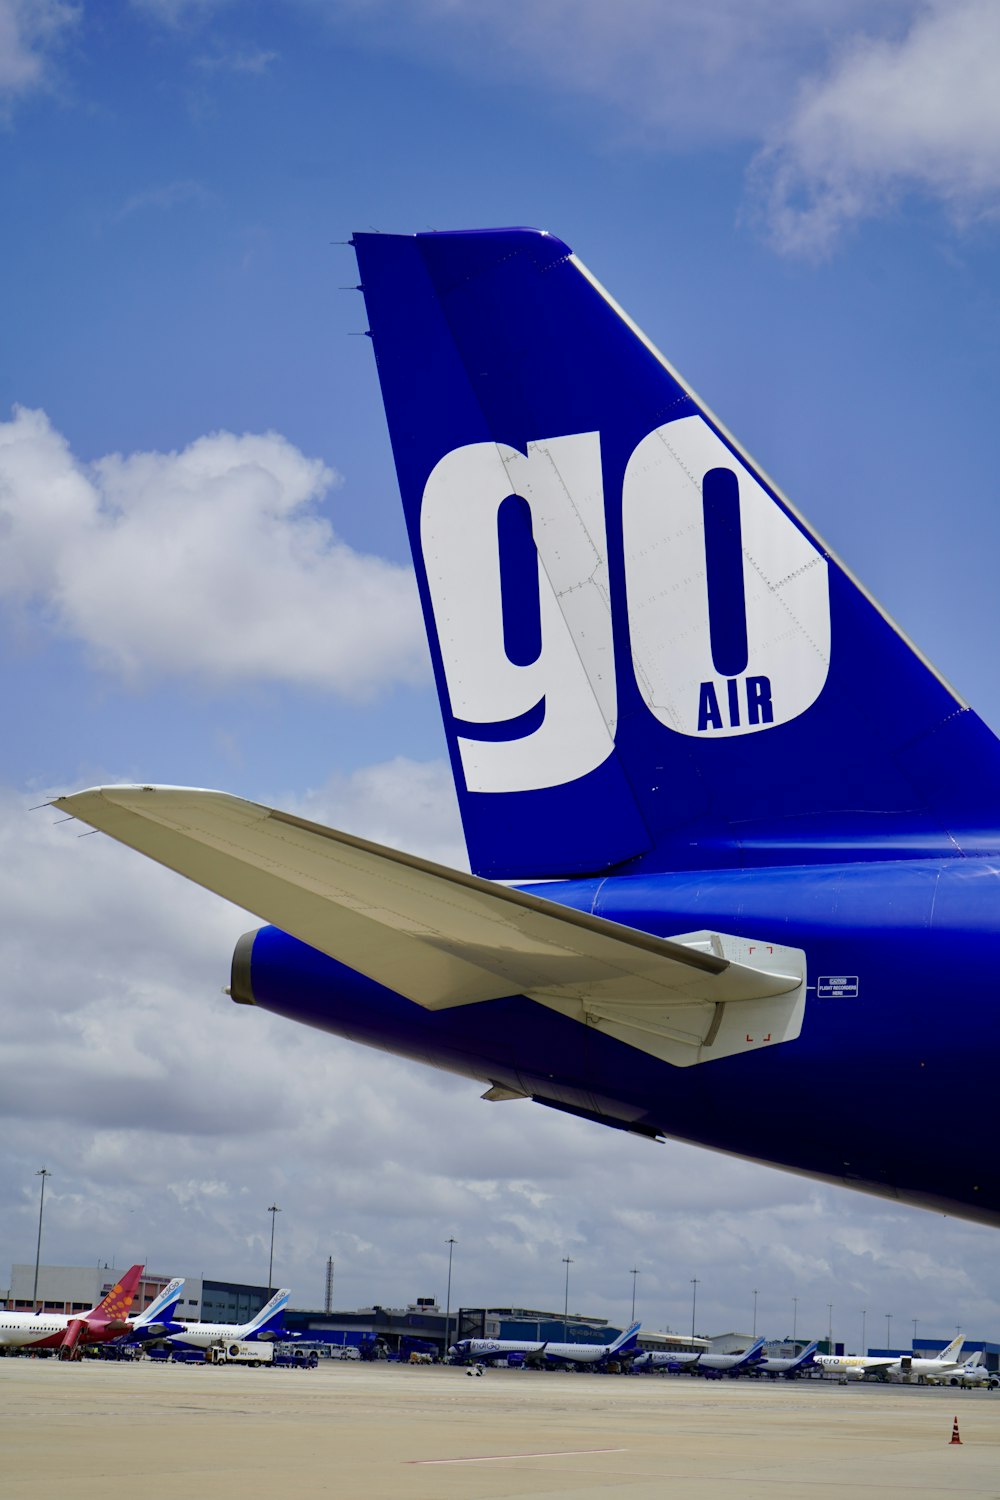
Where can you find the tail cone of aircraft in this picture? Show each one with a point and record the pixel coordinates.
(954, 1432)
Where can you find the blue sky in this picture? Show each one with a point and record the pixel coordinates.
(204, 576)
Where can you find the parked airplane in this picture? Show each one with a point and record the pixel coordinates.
(158, 1318)
(673, 1360)
(973, 1372)
(267, 1324)
(547, 1349)
(65, 1332)
(730, 1364)
(943, 1364)
(777, 1365)
(766, 830)
(853, 1366)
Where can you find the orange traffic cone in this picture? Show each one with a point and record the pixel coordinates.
(954, 1432)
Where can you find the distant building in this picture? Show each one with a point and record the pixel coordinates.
(74, 1289)
(424, 1319)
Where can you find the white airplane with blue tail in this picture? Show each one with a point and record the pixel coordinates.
(264, 1325)
(547, 1350)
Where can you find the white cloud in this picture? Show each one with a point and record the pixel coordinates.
(404, 803)
(849, 104)
(253, 60)
(212, 562)
(170, 195)
(29, 31)
(917, 113)
(718, 71)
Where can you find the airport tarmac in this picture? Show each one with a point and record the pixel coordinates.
(390, 1432)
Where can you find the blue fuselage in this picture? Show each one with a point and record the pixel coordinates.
(864, 1096)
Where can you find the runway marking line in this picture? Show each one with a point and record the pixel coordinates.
(499, 1458)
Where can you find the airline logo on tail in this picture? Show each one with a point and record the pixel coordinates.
(270, 1312)
(727, 600)
(114, 1306)
(163, 1307)
(625, 1341)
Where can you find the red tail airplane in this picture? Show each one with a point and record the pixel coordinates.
(66, 1332)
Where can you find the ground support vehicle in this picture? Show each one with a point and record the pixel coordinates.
(240, 1352)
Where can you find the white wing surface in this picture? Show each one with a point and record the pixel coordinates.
(444, 938)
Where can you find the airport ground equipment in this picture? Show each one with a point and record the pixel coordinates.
(762, 833)
(240, 1352)
(295, 1359)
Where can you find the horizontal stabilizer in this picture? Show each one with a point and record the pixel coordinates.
(443, 938)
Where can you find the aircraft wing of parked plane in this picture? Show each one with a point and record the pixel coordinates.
(264, 1325)
(106, 1321)
(577, 1354)
(754, 805)
(853, 1366)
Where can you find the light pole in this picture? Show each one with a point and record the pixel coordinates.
(795, 1317)
(694, 1300)
(43, 1173)
(829, 1330)
(864, 1336)
(915, 1322)
(274, 1209)
(447, 1316)
(633, 1273)
(567, 1262)
(755, 1312)
(888, 1330)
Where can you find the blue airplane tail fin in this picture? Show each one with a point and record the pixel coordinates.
(625, 1341)
(268, 1323)
(163, 1309)
(644, 655)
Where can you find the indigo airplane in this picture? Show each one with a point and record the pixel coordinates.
(545, 1350)
(755, 835)
(792, 1365)
(730, 1364)
(268, 1324)
(671, 1360)
(159, 1318)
